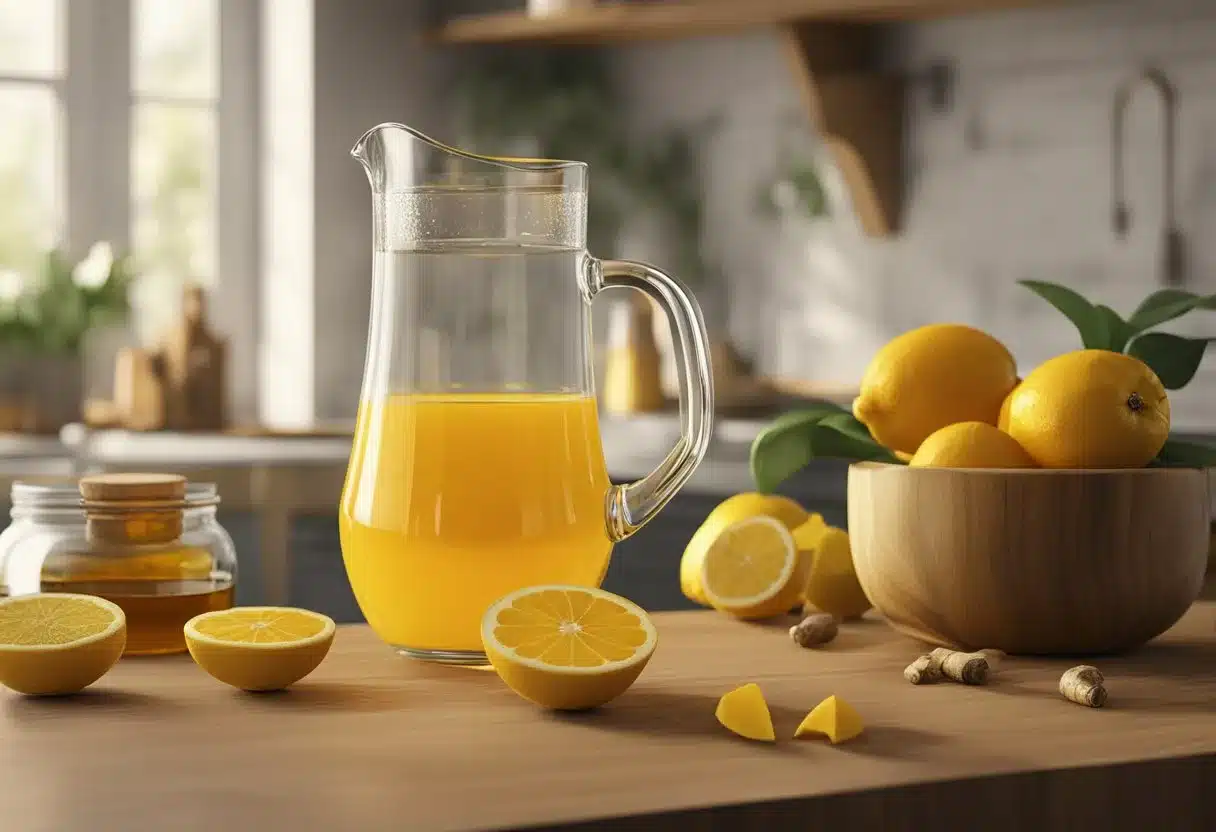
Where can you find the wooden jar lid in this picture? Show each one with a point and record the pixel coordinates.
(117, 488)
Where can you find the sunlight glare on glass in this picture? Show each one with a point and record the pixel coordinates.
(176, 48)
(30, 33)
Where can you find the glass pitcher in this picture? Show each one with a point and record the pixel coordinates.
(477, 467)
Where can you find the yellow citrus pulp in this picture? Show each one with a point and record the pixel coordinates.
(566, 647)
(730, 511)
(743, 711)
(751, 570)
(58, 643)
(259, 648)
(1091, 409)
(834, 718)
(931, 377)
(971, 445)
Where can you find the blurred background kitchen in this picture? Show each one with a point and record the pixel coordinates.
(185, 243)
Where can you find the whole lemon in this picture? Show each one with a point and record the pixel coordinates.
(1091, 409)
(1002, 420)
(932, 377)
(971, 445)
(730, 511)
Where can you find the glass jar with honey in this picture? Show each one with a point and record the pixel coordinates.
(148, 542)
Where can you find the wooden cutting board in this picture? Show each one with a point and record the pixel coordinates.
(372, 741)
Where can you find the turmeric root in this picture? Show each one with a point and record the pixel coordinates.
(1084, 685)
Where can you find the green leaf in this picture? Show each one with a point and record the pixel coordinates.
(794, 439)
(1178, 454)
(848, 424)
(1173, 358)
(1118, 331)
(1166, 305)
(1087, 318)
(784, 447)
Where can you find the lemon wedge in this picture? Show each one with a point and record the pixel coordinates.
(743, 711)
(58, 643)
(259, 648)
(566, 647)
(834, 718)
(752, 569)
(830, 583)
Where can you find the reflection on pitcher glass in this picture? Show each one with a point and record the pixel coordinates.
(477, 467)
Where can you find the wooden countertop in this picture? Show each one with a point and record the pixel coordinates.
(372, 742)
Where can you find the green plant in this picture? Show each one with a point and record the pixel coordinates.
(791, 441)
(565, 100)
(54, 313)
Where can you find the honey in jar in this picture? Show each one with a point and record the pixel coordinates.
(147, 542)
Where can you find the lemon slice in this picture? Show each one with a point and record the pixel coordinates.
(752, 569)
(259, 648)
(58, 643)
(565, 647)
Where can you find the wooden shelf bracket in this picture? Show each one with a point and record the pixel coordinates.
(858, 111)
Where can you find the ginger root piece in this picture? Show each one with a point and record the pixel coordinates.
(743, 711)
(834, 718)
(964, 668)
(1084, 685)
(924, 671)
(814, 630)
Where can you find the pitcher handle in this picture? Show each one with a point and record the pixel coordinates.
(630, 506)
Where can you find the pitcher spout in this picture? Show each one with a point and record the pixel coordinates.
(467, 196)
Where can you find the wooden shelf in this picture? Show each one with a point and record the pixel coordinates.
(609, 22)
(857, 109)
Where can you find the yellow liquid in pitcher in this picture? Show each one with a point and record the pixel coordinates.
(454, 500)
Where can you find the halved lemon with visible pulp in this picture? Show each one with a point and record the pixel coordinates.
(752, 570)
(567, 647)
(58, 643)
(259, 648)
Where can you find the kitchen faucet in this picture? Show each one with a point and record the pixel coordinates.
(1173, 265)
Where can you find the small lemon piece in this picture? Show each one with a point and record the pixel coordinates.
(1091, 409)
(743, 711)
(729, 511)
(58, 643)
(931, 377)
(752, 569)
(831, 583)
(971, 445)
(259, 648)
(567, 648)
(834, 718)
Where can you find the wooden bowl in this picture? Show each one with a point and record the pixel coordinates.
(1031, 562)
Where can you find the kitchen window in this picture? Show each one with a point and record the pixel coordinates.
(134, 122)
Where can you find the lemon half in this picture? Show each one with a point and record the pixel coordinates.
(58, 643)
(751, 570)
(566, 647)
(259, 648)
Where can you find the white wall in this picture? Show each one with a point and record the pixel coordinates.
(333, 69)
(1032, 202)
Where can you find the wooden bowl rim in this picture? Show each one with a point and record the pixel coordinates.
(870, 466)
